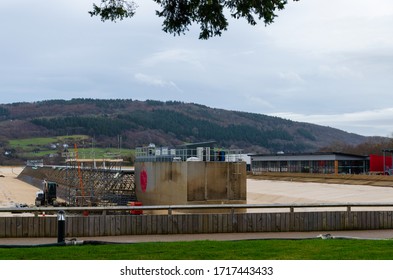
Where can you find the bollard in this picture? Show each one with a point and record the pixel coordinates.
(60, 226)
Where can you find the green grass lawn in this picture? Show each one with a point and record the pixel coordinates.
(40, 147)
(316, 249)
(42, 141)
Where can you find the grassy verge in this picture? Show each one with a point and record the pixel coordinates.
(317, 249)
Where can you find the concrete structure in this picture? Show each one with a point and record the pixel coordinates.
(326, 163)
(168, 183)
(188, 176)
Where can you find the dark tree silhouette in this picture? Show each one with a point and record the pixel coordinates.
(179, 15)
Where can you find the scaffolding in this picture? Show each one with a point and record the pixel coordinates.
(104, 181)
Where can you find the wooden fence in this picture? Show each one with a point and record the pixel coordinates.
(103, 224)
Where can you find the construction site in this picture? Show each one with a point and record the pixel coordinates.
(189, 175)
(82, 182)
(187, 190)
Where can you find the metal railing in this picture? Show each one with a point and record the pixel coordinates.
(170, 208)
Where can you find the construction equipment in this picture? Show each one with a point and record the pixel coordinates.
(48, 195)
(80, 176)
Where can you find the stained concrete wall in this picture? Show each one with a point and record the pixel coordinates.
(170, 183)
(163, 184)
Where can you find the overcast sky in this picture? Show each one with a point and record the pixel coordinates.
(327, 62)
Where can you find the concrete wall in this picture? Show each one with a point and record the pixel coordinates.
(164, 182)
(169, 183)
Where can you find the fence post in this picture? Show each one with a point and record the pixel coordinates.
(60, 226)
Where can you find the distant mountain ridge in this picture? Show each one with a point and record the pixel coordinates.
(167, 123)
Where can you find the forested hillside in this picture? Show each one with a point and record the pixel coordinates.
(169, 123)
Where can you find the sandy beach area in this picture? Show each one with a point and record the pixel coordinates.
(266, 191)
(14, 191)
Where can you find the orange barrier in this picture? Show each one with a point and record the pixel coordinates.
(135, 203)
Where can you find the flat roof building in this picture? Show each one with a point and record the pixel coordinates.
(324, 163)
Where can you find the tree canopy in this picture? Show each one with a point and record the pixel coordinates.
(179, 15)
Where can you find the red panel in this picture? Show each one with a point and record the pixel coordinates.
(376, 163)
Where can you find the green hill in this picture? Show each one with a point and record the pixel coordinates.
(131, 123)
